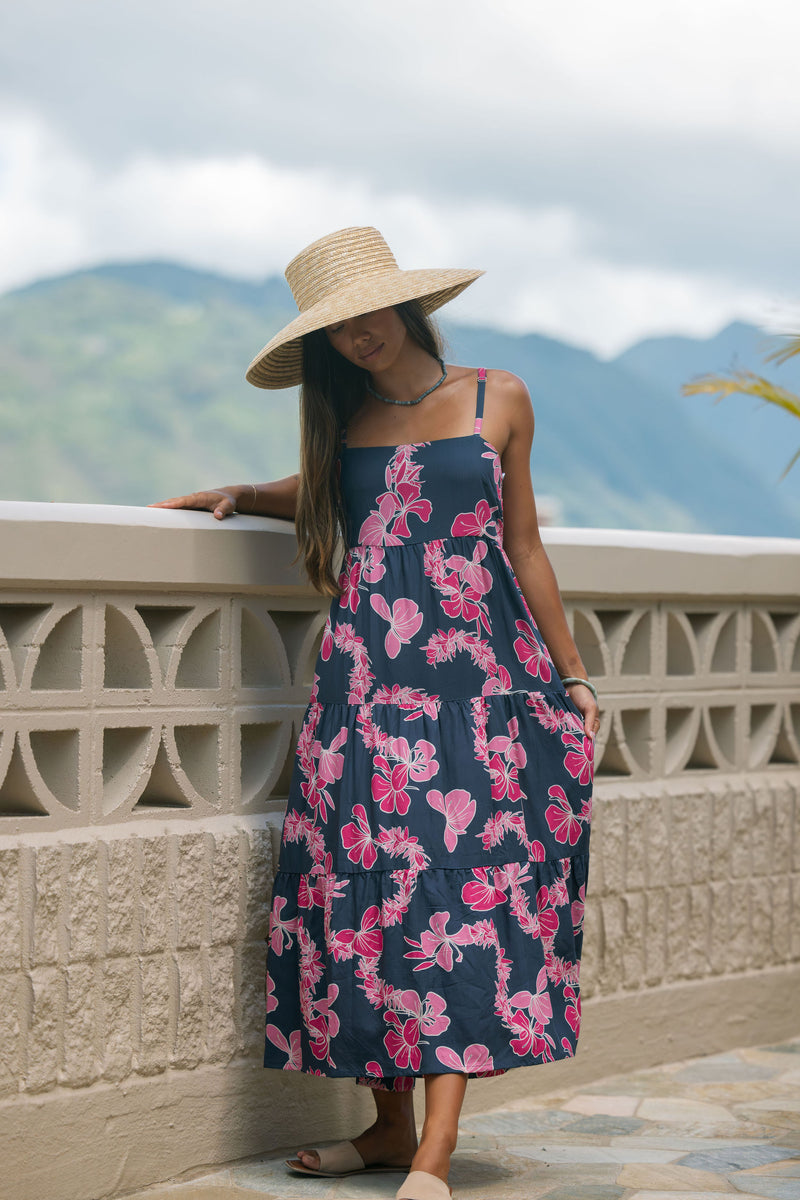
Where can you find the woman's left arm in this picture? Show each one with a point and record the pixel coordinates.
(523, 545)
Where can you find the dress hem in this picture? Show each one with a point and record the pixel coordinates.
(498, 1068)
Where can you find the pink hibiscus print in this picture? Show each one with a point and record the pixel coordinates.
(578, 908)
(547, 915)
(366, 942)
(420, 760)
(412, 505)
(458, 809)
(497, 684)
(373, 568)
(535, 1013)
(280, 931)
(476, 1061)
(579, 758)
(479, 522)
(331, 762)
(531, 653)
(461, 599)
(292, 1048)
(480, 894)
(309, 894)
(560, 818)
(357, 839)
(437, 946)
(404, 620)
(324, 1025)
(376, 526)
(507, 756)
(573, 1009)
(429, 1013)
(349, 579)
(389, 785)
(469, 569)
(402, 1042)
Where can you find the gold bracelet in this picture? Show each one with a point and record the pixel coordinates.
(255, 498)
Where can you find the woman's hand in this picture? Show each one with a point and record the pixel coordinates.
(275, 499)
(221, 502)
(585, 702)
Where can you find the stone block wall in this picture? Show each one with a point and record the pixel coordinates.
(693, 882)
(131, 955)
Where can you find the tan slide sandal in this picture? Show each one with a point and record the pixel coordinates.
(421, 1185)
(339, 1159)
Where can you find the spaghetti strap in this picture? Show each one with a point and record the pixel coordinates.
(479, 404)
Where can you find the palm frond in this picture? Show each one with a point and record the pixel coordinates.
(745, 383)
(791, 463)
(782, 353)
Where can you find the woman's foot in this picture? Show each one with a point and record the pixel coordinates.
(385, 1143)
(433, 1155)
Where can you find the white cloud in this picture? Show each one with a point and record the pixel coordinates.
(40, 230)
(247, 217)
(617, 167)
(725, 66)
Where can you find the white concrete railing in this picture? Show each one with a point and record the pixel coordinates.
(158, 660)
(154, 669)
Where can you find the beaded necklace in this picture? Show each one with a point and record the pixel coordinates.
(407, 403)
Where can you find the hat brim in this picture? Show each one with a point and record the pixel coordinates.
(280, 363)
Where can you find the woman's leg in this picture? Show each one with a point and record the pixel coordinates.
(392, 1138)
(444, 1095)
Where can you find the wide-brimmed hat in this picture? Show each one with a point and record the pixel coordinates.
(343, 275)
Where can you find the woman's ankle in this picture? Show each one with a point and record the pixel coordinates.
(395, 1115)
(439, 1140)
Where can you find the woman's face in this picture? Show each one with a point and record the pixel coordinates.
(371, 341)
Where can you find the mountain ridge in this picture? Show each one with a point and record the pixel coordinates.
(124, 382)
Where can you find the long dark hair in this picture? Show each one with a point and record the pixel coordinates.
(331, 392)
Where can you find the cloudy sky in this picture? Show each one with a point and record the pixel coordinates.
(621, 168)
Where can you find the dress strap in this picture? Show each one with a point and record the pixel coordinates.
(343, 435)
(479, 405)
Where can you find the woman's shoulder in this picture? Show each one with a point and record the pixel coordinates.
(507, 384)
(501, 383)
(508, 412)
(508, 398)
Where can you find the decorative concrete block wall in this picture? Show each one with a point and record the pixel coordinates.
(154, 671)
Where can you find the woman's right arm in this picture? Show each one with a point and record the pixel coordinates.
(275, 499)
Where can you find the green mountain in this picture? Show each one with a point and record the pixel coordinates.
(125, 383)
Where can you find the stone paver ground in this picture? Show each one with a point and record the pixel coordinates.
(725, 1127)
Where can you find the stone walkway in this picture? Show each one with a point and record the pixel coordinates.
(710, 1128)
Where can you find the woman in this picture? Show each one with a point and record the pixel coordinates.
(427, 909)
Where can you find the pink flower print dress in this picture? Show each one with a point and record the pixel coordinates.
(428, 904)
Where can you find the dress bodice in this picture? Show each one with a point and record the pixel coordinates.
(386, 504)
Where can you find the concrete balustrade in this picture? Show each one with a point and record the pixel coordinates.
(154, 670)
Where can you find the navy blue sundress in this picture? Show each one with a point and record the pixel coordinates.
(427, 908)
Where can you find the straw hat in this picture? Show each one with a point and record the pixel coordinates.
(343, 275)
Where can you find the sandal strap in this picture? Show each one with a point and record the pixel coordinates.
(343, 1156)
(421, 1185)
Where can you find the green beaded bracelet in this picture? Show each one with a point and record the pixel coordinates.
(585, 682)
